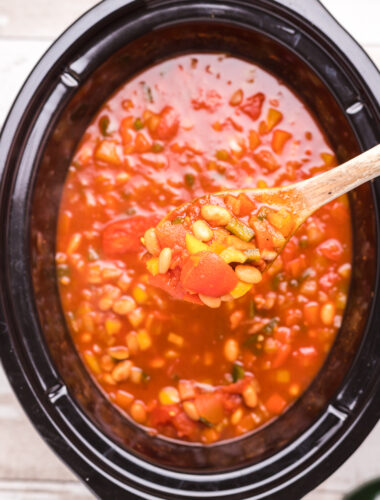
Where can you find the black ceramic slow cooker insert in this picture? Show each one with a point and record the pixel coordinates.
(303, 45)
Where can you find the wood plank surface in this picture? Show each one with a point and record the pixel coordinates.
(28, 468)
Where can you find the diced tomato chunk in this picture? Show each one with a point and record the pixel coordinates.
(279, 139)
(296, 266)
(246, 205)
(273, 118)
(275, 404)
(311, 313)
(266, 160)
(208, 274)
(170, 283)
(254, 140)
(332, 249)
(170, 235)
(108, 152)
(210, 407)
(252, 105)
(124, 235)
(168, 126)
(142, 145)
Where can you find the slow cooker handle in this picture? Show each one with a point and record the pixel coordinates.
(309, 9)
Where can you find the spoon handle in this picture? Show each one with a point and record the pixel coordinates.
(319, 190)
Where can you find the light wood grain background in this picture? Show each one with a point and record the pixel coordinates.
(28, 468)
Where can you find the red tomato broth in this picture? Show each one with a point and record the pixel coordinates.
(283, 328)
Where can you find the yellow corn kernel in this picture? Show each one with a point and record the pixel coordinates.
(230, 254)
(144, 340)
(283, 376)
(169, 396)
(175, 339)
(140, 294)
(193, 245)
(152, 266)
(92, 362)
(113, 326)
(241, 289)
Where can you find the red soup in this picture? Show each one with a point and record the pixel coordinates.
(188, 126)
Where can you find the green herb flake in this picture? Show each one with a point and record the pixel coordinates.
(103, 125)
(189, 180)
(270, 327)
(277, 280)
(205, 422)
(92, 255)
(262, 214)
(138, 124)
(145, 377)
(147, 92)
(303, 242)
(255, 343)
(63, 270)
(308, 273)
(157, 147)
(237, 372)
(178, 220)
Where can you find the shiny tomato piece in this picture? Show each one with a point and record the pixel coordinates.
(296, 266)
(246, 205)
(208, 274)
(210, 407)
(170, 283)
(263, 234)
(185, 427)
(252, 105)
(163, 414)
(279, 139)
(168, 126)
(275, 404)
(123, 236)
(170, 235)
(332, 249)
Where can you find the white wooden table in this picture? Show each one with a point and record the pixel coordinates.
(28, 468)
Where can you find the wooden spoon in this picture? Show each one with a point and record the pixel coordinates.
(303, 198)
(299, 200)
